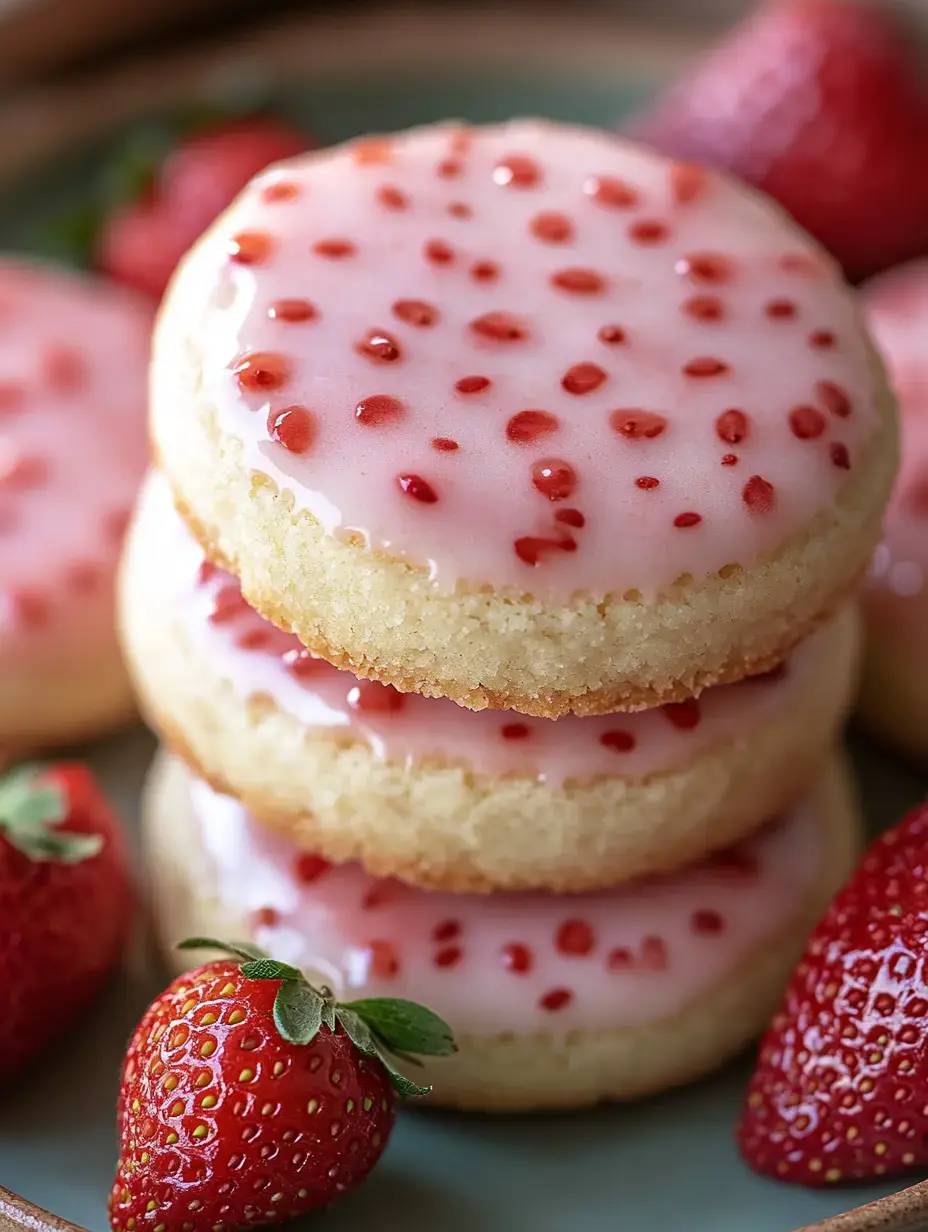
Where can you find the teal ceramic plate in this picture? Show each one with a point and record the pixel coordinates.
(668, 1164)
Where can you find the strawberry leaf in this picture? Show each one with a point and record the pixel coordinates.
(31, 806)
(298, 1011)
(404, 1026)
(270, 969)
(328, 1014)
(236, 949)
(365, 1040)
(29, 797)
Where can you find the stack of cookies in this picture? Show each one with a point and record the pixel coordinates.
(494, 595)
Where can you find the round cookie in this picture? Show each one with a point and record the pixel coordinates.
(441, 796)
(555, 1001)
(523, 416)
(894, 697)
(73, 449)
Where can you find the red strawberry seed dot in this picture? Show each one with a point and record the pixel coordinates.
(310, 867)
(515, 731)
(732, 427)
(583, 378)
(683, 521)
(517, 958)
(379, 347)
(705, 366)
(780, 309)
(438, 252)
(335, 249)
(686, 182)
(574, 938)
(417, 488)
(839, 456)
(618, 741)
(415, 312)
(293, 427)
(706, 921)
(517, 171)
(683, 715)
(449, 956)
(293, 311)
(636, 425)
(759, 495)
(527, 427)
(579, 281)
(383, 959)
(484, 271)
(372, 697)
(612, 335)
(554, 478)
(649, 231)
(806, 422)
(251, 248)
(704, 308)
(822, 339)
(261, 371)
(444, 444)
(552, 227)
(647, 482)
(472, 384)
(378, 410)
(556, 999)
(392, 198)
(447, 930)
(610, 192)
(834, 398)
(707, 267)
(499, 327)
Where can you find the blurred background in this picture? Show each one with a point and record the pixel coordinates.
(38, 37)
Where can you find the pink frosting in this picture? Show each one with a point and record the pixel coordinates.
(73, 360)
(532, 356)
(519, 962)
(262, 660)
(896, 593)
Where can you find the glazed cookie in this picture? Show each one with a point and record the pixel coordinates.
(524, 417)
(894, 699)
(73, 359)
(555, 1001)
(422, 789)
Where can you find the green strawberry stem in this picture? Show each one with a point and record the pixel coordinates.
(387, 1028)
(32, 806)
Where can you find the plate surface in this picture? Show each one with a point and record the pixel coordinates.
(667, 1164)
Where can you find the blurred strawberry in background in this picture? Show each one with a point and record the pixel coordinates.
(820, 104)
(141, 239)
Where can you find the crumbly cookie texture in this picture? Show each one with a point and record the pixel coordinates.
(445, 797)
(523, 416)
(555, 1003)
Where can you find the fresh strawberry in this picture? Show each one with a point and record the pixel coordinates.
(819, 104)
(249, 1097)
(65, 904)
(840, 1092)
(141, 241)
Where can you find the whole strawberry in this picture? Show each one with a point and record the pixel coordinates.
(141, 241)
(840, 1092)
(249, 1097)
(818, 103)
(65, 904)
